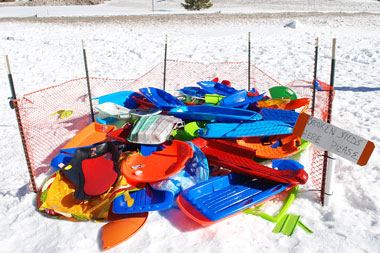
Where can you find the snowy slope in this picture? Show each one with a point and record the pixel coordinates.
(48, 52)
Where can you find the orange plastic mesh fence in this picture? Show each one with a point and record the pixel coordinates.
(305, 89)
(46, 134)
(180, 74)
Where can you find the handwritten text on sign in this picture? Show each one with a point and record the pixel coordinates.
(331, 138)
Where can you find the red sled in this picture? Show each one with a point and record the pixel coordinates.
(239, 159)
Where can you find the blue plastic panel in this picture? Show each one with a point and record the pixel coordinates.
(145, 200)
(216, 88)
(287, 164)
(123, 98)
(193, 92)
(160, 98)
(147, 150)
(214, 113)
(220, 197)
(245, 129)
(286, 116)
(240, 99)
(60, 158)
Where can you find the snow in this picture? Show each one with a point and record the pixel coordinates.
(47, 51)
(132, 7)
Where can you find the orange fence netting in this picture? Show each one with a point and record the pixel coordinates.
(46, 134)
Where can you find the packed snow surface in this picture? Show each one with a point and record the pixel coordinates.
(47, 51)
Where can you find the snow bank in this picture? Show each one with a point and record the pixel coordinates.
(46, 53)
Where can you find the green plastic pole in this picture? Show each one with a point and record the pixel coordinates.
(14, 105)
(88, 82)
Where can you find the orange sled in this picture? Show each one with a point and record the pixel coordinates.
(272, 147)
(157, 166)
(91, 134)
(284, 103)
(297, 103)
(120, 230)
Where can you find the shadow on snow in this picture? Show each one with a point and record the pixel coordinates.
(358, 89)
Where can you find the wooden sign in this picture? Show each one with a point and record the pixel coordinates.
(334, 139)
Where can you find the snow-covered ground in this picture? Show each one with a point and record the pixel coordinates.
(45, 52)
(133, 7)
